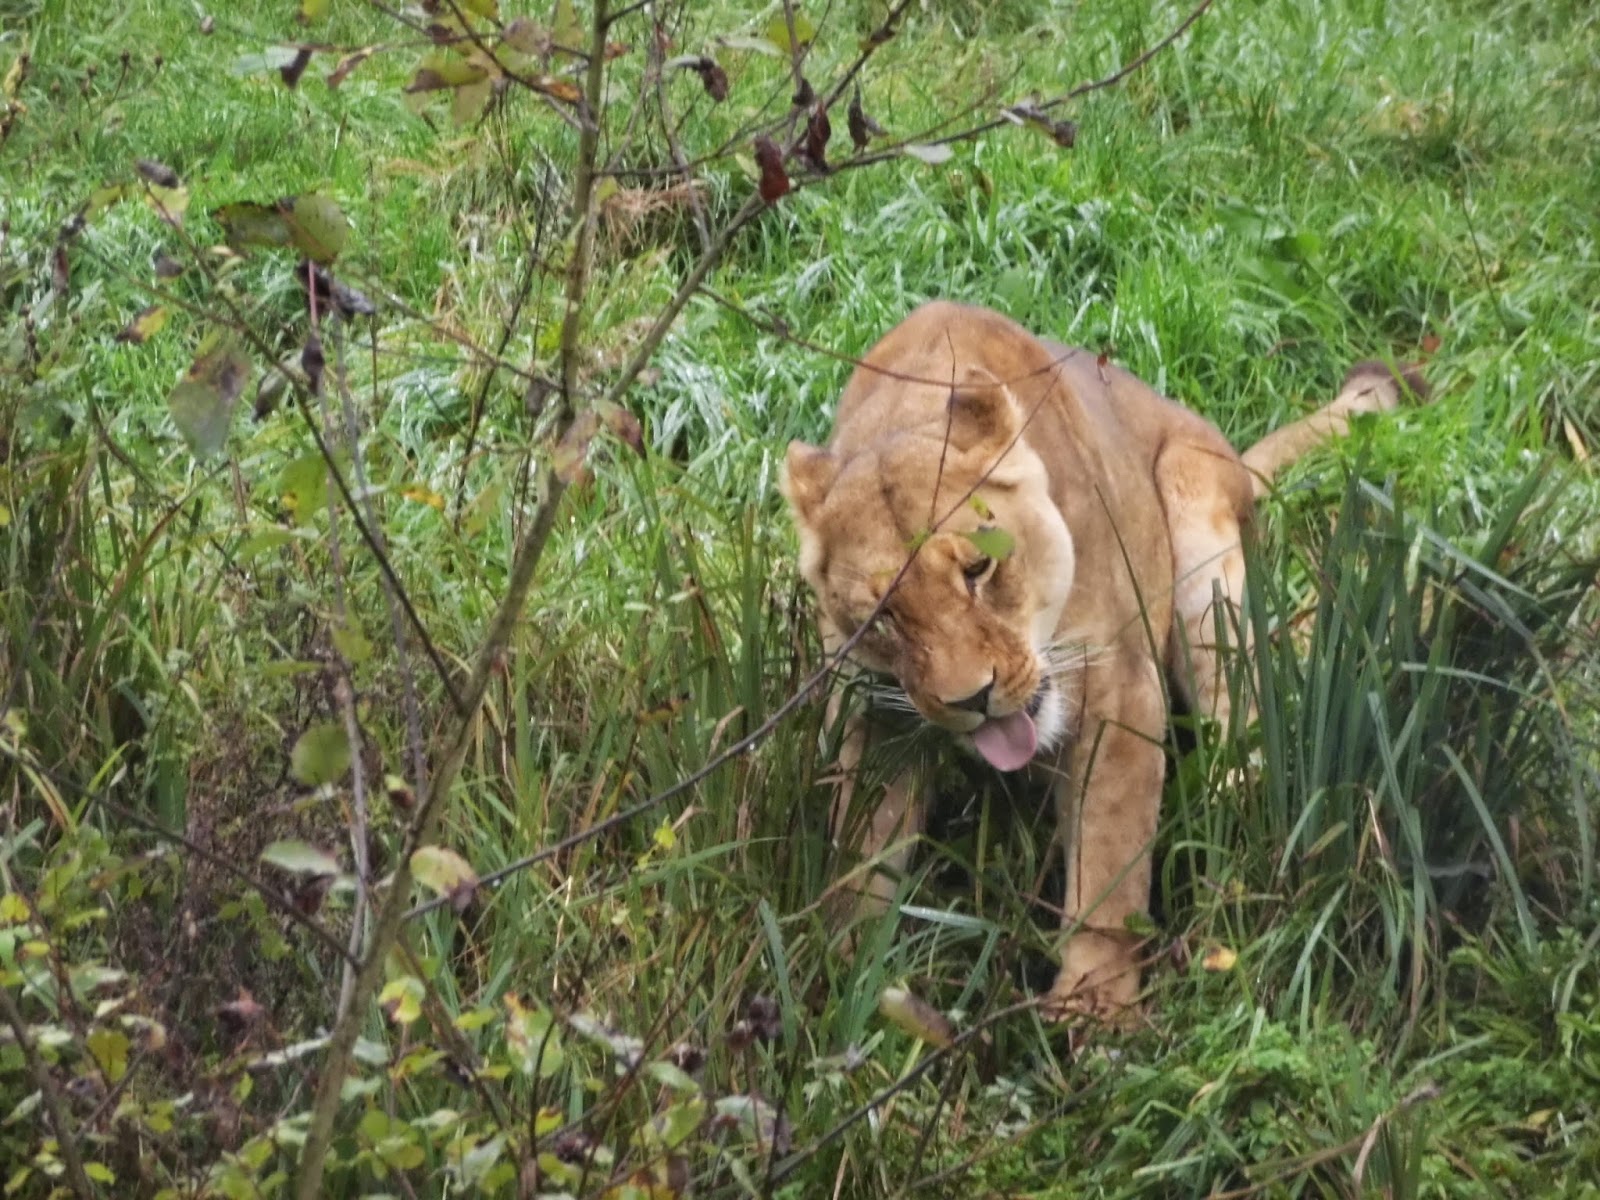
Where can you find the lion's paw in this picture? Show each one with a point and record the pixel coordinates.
(1098, 982)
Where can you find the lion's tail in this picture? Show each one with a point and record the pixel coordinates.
(1369, 387)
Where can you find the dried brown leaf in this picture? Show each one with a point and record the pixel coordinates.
(295, 67)
(157, 173)
(312, 362)
(862, 127)
(348, 63)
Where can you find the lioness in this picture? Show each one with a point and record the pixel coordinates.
(1120, 558)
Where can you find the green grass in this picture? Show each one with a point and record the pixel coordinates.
(1401, 855)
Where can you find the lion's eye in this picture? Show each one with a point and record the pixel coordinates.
(977, 569)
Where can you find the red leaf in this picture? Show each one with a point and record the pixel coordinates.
(774, 180)
(818, 130)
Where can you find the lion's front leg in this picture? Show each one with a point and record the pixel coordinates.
(872, 853)
(1109, 800)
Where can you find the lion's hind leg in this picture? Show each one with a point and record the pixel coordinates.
(1207, 498)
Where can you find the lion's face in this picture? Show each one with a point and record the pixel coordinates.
(969, 636)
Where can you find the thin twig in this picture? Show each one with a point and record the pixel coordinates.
(430, 808)
(344, 695)
(397, 625)
(881, 36)
(697, 208)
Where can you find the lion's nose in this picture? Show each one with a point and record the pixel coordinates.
(978, 702)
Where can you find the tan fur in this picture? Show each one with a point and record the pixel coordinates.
(1125, 512)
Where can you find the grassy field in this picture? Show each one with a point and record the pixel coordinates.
(1376, 961)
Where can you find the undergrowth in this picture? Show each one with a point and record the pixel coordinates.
(1375, 967)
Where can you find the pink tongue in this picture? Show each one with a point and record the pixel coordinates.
(1007, 742)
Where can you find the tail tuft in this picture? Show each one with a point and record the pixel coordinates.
(1368, 387)
(1400, 383)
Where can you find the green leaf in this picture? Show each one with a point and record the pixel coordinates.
(401, 999)
(439, 72)
(524, 36)
(322, 755)
(469, 102)
(313, 10)
(1140, 924)
(475, 1018)
(251, 224)
(202, 403)
(25, 1109)
(300, 858)
(144, 326)
(99, 1172)
(757, 45)
(916, 1016)
(672, 1076)
(565, 28)
(103, 198)
(1014, 290)
(273, 58)
(992, 542)
(374, 1124)
(303, 487)
(317, 226)
(351, 642)
(445, 873)
(778, 31)
(401, 1153)
(676, 1124)
(110, 1049)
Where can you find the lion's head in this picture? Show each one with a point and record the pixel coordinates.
(967, 625)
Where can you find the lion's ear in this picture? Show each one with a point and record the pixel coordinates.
(983, 414)
(808, 473)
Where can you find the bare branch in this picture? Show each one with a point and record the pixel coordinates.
(430, 808)
(932, 136)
